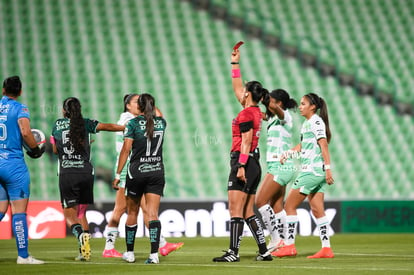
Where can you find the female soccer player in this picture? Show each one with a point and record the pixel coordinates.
(315, 174)
(269, 199)
(14, 175)
(70, 141)
(130, 111)
(245, 166)
(144, 135)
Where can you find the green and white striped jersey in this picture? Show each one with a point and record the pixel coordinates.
(279, 136)
(311, 154)
(119, 141)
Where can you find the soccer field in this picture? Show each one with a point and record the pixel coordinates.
(354, 254)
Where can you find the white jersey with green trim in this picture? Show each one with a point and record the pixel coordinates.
(311, 154)
(119, 139)
(279, 136)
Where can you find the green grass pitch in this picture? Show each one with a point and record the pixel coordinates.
(354, 254)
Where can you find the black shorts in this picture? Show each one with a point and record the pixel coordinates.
(136, 187)
(76, 189)
(253, 174)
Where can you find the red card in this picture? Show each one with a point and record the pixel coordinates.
(238, 45)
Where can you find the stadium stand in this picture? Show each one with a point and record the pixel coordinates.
(179, 51)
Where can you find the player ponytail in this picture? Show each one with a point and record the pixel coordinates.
(324, 115)
(321, 105)
(72, 108)
(146, 104)
(282, 96)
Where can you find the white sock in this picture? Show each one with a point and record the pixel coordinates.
(281, 224)
(291, 226)
(111, 238)
(268, 217)
(163, 241)
(323, 231)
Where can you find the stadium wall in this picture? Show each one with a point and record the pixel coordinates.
(211, 219)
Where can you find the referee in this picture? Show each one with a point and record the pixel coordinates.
(245, 170)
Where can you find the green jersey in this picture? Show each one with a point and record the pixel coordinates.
(279, 136)
(69, 162)
(311, 154)
(146, 154)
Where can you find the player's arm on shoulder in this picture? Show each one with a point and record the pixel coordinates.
(158, 112)
(26, 131)
(110, 127)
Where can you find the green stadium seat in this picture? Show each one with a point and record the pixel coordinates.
(181, 55)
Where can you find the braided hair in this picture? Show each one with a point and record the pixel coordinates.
(72, 108)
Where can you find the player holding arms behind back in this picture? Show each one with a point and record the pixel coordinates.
(315, 174)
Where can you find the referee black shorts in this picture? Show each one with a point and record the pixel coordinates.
(76, 189)
(253, 174)
(137, 186)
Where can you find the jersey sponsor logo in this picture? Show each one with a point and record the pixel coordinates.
(73, 164)
(62, 124)
(4, 108)
(146, 167)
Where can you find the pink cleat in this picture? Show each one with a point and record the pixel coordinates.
(325, 252)
(285, 251)
(170, 247)
(111, 253)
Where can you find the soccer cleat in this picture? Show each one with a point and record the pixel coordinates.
(279, 245)
(264, 257)
(274, 245)
(152, 259)
(285, 251)
(129, 256)
(80, 258)
(28, 260)
(170, 247)
(325, 252)
(229, 256)
(85, 245)
(111, 253)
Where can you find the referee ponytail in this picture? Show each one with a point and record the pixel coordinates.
(146, 104)
(256, 89)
